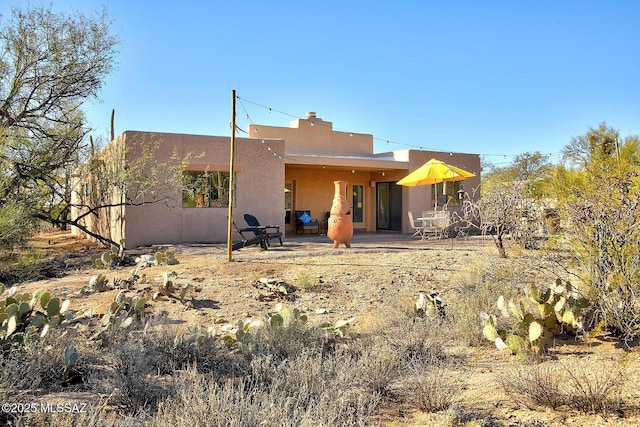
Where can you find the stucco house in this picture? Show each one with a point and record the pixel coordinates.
(280, 170)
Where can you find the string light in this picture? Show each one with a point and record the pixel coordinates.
(386, 141)
(256, 130)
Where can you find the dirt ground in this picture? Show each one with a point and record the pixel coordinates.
(381, 275)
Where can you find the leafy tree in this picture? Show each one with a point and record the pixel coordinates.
(512, 199)
(599, 188)
(530, 169)
(50, 64)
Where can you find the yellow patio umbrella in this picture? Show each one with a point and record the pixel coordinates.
(434, 172)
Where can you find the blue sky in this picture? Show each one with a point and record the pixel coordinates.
(498, 78)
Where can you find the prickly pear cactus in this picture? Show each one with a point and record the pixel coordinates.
(536, 318)
(114, 257)
(22, 314)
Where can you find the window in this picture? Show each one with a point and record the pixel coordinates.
(205, 189)
(288, 186)
(447, 192)
(357, 205)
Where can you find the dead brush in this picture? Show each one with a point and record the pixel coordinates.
(595, 386)
(534, 385)
(599, 387)
(432, 388)
(470, 297)
(134, 378)
(378, 368)
(300, 391)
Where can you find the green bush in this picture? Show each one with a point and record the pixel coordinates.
(16, 225)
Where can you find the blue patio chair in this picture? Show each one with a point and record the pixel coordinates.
(305, 222)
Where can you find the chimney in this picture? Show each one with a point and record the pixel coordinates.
(311, 114)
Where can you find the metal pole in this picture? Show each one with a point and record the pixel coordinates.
(232, 153)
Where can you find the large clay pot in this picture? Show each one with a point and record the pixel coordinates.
(340, 227)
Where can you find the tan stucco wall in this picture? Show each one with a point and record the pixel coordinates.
(309, 155)
(316, 136)
(105, 222)
(258, 190)
(314, 189)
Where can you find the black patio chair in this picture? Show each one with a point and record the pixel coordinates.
(271, 231)
(259, 237)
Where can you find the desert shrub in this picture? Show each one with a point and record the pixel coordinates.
(18, 267)
(598, 387)
(281, 334)
(472, 296)
(163, 346)
(619, 309)
(432, 388)
(600, 216)
(415, 339)
(378, 367)
(39, 365)
(166, 354)
(533, 385)
(408, 356)
(138, 386)
(306, 390)
(605, 243)
(93, 416)
(594, 386)
(283, 342)
(16, 224)
(147, 352)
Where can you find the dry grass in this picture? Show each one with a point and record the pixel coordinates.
(390, 368)
(590, 386)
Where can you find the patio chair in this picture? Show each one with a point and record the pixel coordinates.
(442, 223)
(271, 231)
(304, 222)
(419, 229)
(436, 223)
(462, 224)
(255, 239)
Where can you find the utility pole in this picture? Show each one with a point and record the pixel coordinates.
(232, 153)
